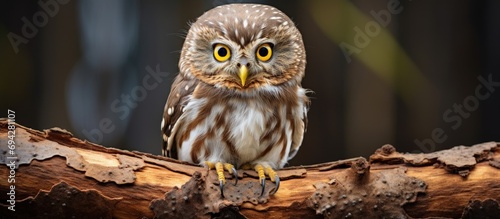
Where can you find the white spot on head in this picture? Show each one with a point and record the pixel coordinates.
(162, 123)
(259, 34)
(186, 87)
(242, 40)
(236, 32)
(275, 18)
(224, 30)
(236, 20)
(170, 111)
(245, 23)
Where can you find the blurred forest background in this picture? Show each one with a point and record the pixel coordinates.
(421, 75)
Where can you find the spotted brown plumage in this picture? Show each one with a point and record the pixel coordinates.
(238, 100)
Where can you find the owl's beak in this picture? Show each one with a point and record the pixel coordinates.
(243, 74)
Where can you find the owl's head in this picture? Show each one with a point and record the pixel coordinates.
(244, 47)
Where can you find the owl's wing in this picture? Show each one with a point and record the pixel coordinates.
(180, 92)
(300, 128)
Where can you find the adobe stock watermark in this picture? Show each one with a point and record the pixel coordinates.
(11, 159)
(455, 115)
(363, 37)
(40, 18)
(122, 106)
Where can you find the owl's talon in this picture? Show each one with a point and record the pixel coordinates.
(277, 182)
(221, 185)
(235, 174)
(263, 170)
(263, 185)
(219, 169)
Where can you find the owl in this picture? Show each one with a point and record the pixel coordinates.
(237, 101)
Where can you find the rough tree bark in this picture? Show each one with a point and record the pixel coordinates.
(59, 176)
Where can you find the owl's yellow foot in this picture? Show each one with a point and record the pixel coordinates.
(219, 168)
(263, 170)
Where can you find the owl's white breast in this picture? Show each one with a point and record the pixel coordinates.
(245, 122)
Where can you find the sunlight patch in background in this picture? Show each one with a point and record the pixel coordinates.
(364, 37)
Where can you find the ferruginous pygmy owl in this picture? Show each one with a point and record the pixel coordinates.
(237, 101)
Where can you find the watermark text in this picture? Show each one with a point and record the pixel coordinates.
(49, 8)
(123, 106)
(456, 114)
(11, 159)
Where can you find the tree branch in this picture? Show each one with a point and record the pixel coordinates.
(53, 174)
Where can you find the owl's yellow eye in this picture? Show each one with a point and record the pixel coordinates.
(264, 52)
(221, 52)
